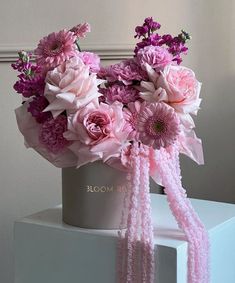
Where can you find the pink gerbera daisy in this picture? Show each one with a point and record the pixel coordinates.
(158, 125)
(55, 48)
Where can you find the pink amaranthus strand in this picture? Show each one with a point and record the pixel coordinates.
(135, 262)
(132, 229)
(122, 243)
(127, 264)
(147, 239)
(203, 237)
(188, 220)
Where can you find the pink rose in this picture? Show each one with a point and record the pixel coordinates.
(70, 86)
(156, 57)
(97, 132)
(182, 88)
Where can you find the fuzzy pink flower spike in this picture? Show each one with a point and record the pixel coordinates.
(137, 251)
(147, 239)
(186, 217)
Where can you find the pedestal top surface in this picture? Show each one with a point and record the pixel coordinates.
(166, 232)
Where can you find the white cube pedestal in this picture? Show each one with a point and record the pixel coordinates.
(49, 251)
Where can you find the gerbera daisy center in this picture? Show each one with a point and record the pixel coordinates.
(155, 126)
(56, 47)
(159, 126)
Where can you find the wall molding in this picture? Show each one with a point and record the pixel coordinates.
(9, 53)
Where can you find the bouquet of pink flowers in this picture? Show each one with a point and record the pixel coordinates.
(75, 111)
(129, 114)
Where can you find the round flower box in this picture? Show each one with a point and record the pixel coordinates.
(93, 196)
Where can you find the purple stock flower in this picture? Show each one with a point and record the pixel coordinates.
(36, 106)
(141, 31)
(148, 27)
(31, 81)
(153, 39)
(29, 86)
(177, 47)
(174, 45)
(151, 24)
(23, 63)
(166, 39)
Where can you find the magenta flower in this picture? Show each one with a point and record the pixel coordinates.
(148, 26)
(31, 80)
(121, 93)
(90, 59)
(29, 86)
(81, 30)
(55, 48)
(51, 134)
(158, 125)
(155, 56)
(23, 62)
(36, 107)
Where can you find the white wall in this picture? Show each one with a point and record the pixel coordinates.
(27, 182)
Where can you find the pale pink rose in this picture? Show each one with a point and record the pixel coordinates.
(182, 88)
(90, 59)
(31, 130)
(70, 86)
(97, 132)
(156, 57)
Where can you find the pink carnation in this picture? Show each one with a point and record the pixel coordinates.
(97, 132)
(182, 88)
(126, 71)
(121, 93)
(158, 125)
(155, 56)
(70, 86)
(90, 59)
(31, 129)
(81, 30)
(51, 134)
(55, 48)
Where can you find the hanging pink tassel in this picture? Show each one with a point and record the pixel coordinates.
(147, 239)
(128, 271)
(203, 237)
(139, 251)
(122, 243)
(133, 260)
(186, 217)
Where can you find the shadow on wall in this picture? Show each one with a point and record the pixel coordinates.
(214, 53)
